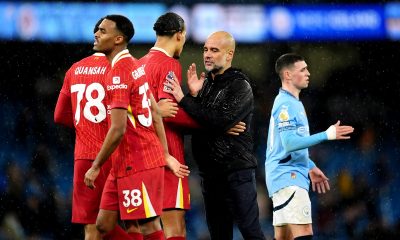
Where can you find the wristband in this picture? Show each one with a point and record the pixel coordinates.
(331, 132)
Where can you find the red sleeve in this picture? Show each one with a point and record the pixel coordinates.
(63, 112)
(182, 119)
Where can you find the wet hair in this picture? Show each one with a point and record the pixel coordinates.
(123, 24)
(96, 27)
(169, 24)
(287, 60)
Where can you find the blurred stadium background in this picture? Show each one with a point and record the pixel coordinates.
(353, 52)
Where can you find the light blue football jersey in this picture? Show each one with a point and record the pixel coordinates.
(287, 159)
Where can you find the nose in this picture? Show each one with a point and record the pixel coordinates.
(96, 34)
(206, 54)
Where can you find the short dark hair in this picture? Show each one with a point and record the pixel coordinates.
(168, 24)
(123, 24)
(96, 27)
(286, 60)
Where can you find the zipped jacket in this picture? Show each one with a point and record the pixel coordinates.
(221, 104)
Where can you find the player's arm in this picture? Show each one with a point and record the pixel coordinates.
(311, 164)
(318, 179)
(63, 111)
(237, 104)
(175, 115)
(174, 165)
(291, 141)
(113, 138)
(168, 108)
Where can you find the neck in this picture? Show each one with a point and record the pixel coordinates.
(294, 91)
(114, 52)
(165, 44)
(220, 71)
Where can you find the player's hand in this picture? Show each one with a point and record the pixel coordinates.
(194, 83)
(237, 129)
(90, 176)
(319, 180)
(173, 87)
(167, 108)
(343, 131)
(176, 167)
(337, 132)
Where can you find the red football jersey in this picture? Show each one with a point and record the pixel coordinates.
(127, 88)
(157, 66)
(83, 91)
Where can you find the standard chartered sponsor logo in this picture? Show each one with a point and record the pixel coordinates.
(120, 86)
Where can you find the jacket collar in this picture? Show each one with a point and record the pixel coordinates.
(222, 76)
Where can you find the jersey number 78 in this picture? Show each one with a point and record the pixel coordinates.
(83, 91)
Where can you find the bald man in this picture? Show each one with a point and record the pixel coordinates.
(218, 100)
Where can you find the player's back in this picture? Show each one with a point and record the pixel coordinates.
(157, 65)
(84, 82)
(140, 147)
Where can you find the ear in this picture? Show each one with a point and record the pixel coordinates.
(119, 39)
(229, 55)
(179, 36)
(286, 74)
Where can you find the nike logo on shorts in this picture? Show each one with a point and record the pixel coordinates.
(130, 210)
(284, 204)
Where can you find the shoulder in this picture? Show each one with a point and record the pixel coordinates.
(283, 101)
(284, 109)
(238, 74)
(126, 63)
(163, 61)
(239, 81)
(95, 59)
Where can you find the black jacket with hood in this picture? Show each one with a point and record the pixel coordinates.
(221, 103)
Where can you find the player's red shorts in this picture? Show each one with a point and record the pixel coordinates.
(176, 191)
(86, 201)
(136, 196)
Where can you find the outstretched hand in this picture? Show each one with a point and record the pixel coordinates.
(176, 167)
(342, 131)
(194, 83)
(337, 132)
(319, 180)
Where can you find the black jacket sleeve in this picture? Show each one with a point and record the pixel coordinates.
(229, 106)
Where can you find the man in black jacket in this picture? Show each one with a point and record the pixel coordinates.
(226, 164)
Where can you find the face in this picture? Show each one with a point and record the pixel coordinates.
(181, 36)
(299, 75)
(105, 36)
(216, 55)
